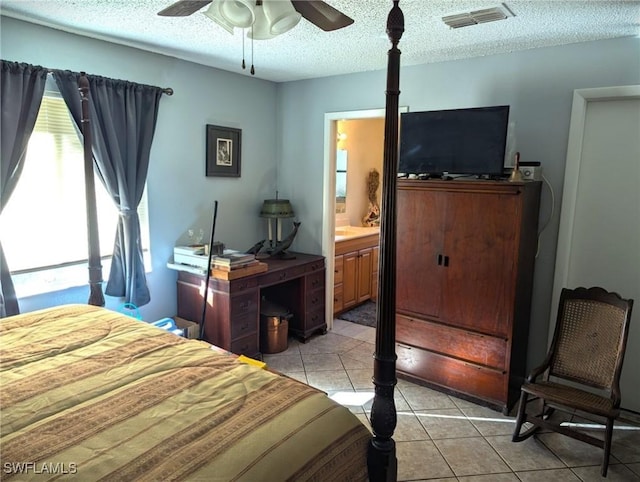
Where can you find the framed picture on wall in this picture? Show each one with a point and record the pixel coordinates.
(223, 151)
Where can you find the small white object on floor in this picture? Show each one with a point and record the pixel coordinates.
(352, 399)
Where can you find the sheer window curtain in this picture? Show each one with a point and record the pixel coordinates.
(123, 117)
(21, 90)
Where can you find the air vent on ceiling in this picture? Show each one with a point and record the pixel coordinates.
(475, 17)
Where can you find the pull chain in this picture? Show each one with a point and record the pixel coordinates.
(243, 64)
(253, 71)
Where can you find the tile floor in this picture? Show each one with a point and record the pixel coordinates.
(443, 438)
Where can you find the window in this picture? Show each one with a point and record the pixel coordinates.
(43, 226)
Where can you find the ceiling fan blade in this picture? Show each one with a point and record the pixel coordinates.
(321, 14)
(183, 8)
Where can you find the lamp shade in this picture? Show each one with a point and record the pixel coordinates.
(281, 16)
(213, 12)
(276, 208)
(239, 13)
(261, 30)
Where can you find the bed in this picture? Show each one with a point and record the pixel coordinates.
(99, 395)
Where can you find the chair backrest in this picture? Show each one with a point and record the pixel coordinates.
(590, 337)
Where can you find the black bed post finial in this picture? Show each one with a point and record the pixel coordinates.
(382, 461)
(96, 297)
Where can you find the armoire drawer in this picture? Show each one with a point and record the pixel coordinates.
(462, 344)
(449, 373)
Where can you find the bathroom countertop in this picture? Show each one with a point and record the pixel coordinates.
(350, 232)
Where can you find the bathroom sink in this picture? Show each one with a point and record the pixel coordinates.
(345, 232)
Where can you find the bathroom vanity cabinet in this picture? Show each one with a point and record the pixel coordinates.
(355, 271)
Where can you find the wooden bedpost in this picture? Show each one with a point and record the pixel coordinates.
(96, 297)
(382, 461)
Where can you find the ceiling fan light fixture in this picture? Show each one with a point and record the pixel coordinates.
(239, 13)
(213, 13)
(260, 30)
(280, 15)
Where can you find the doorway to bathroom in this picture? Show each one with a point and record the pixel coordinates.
(353, 149)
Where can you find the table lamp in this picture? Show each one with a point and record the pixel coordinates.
(276, 209)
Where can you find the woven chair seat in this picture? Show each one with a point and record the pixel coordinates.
(573, 397)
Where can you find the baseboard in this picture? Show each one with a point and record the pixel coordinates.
(630, 416)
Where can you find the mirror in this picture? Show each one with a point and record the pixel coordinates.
(341, 181)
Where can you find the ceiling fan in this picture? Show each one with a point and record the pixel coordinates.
(318, 12)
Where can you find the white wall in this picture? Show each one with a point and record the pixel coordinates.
(365, 147)
(180, 196)
(537, 84)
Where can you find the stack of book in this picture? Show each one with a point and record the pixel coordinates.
(234, 264)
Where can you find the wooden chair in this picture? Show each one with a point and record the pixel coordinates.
(587, 351)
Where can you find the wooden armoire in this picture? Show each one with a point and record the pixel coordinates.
(465, 258)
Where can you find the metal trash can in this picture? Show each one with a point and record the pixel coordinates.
(274, 327)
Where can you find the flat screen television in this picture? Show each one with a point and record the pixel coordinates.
(468, 141)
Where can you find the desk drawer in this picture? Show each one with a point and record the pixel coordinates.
(281, 275)
(315, 299)
(241, 284)
(315, 281)
(464, 345)
(244, 304)
(247, 345)
(244, 325)
(314, 266)
(314, 319)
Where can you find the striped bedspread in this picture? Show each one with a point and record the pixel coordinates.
(90, 394)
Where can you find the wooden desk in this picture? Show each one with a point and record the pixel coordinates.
(232, 319)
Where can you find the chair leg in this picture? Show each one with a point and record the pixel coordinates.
(608, 436)
(547, 411)
(516, 437)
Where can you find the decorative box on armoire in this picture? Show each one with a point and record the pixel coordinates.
(465, 258)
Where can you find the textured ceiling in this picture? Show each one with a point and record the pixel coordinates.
(307, 52)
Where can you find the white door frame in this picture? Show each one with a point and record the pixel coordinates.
(581, 98)
(329, 194)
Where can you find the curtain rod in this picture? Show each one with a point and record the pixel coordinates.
(165, 90)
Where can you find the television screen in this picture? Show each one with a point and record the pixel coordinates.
(456, 141)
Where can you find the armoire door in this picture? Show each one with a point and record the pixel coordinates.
(480, 249)
(419, 242)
